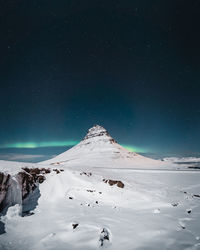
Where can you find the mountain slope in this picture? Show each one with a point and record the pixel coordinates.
(99, 149)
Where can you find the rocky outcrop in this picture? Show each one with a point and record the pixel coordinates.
(98, 131)
(29, 178)
(14, 189)
(120, 184)
(87, 174)
(58, 170)
(104, 237)
(4, 185)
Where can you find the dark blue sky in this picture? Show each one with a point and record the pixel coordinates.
(131, 66)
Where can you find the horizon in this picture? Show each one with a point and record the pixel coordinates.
(57, 146)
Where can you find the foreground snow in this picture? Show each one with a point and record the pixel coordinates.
(155, 210)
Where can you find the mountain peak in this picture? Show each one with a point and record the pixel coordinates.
(98, 131)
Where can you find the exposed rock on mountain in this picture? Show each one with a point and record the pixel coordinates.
(120, 184)
(96, 131)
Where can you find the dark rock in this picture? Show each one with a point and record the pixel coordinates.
(56, 170)
(87, 174)
(71, 198)
(4, 185)
(196, 195)
(120, 184)
(91, 191)
(27, 183)
(36, 171)
(104, 236)
(175, 204)
(75, 225)
(27, 213)
(29, 179)
(41, 178)
(194, 167)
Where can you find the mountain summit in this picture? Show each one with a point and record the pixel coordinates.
(98, 133)
(99, 149)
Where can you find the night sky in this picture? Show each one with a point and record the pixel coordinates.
(130, 66)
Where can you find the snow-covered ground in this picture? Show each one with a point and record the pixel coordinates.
(156, 205)
(154, 210)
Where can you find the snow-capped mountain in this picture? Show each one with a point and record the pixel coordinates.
(98, 195)
(99, 148)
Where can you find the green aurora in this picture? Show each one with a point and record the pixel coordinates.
(134, 149)
(60, 144)
(39, 144)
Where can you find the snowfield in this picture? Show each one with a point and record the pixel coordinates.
(139, 204)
